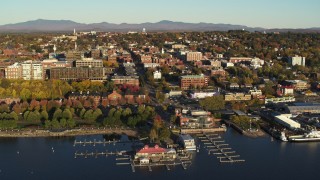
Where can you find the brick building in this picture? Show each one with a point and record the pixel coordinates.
(78, 73)
(14, 71)
(194, 56)
(193, 81)
(129, 80)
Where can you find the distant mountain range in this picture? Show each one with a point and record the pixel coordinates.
(42, 25)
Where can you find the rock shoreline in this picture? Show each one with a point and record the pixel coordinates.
(72, 132)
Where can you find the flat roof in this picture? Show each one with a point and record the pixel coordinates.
(186, 137)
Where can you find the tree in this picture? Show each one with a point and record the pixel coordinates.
(55, 124)
(173, 119)
(14, 116)
(63, 123)
(57, 114)
(88, 115)
(25, 94)
(71, 123)
(153, 134)
(33, 116)
(66, 114)
(47, 124)
(213, 103)
(164, 134)
(126, 112)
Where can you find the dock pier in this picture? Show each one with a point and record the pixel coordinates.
(216, 146)
(94, 142)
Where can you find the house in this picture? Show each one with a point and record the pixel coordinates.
(233, 86)
(157, 75)
(85, 96)
(285, 90)
(114, 96)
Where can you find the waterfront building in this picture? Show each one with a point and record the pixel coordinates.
(280, 100)
(300, 108)
(154, 154)
(286, 121)
(187, 142)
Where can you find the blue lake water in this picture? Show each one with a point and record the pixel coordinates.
(53, 158)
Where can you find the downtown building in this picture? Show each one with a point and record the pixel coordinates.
(14, 71)
(88, 62)
(27, 70)
(193, 81)
(127, 80)
(78, 73)
(194, 56)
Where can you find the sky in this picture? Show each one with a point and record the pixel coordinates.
(253, 13)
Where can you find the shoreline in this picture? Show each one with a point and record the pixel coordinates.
(66, 133)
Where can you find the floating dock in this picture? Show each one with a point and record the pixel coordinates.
(94, 142)
(216, 146)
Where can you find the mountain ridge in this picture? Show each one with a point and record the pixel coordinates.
(44, 25)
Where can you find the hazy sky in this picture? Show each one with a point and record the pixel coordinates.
(254, 13)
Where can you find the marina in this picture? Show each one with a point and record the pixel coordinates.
(39, 151)
(216, 146)
(94, 142)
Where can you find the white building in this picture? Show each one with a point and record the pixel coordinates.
(32, 70)
(157, 75)
(297, 60)
(255, 92)
(151, 65)
(287, 122)
(187, 142)
(201, 95)
(256, 63)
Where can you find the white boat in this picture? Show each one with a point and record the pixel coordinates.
(283, 136)
(311, 136)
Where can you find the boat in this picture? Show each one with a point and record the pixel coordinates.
(275, 133)
(283, 136)
(311, 136)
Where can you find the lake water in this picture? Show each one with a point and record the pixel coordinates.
(53, 158)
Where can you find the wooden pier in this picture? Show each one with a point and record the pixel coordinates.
(94, 142)
(97, 154)
(216, 146)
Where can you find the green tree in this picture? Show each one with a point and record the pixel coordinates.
(164, 134)
(66, 114)
(63, 123)
(213, 103)
(55, 124)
